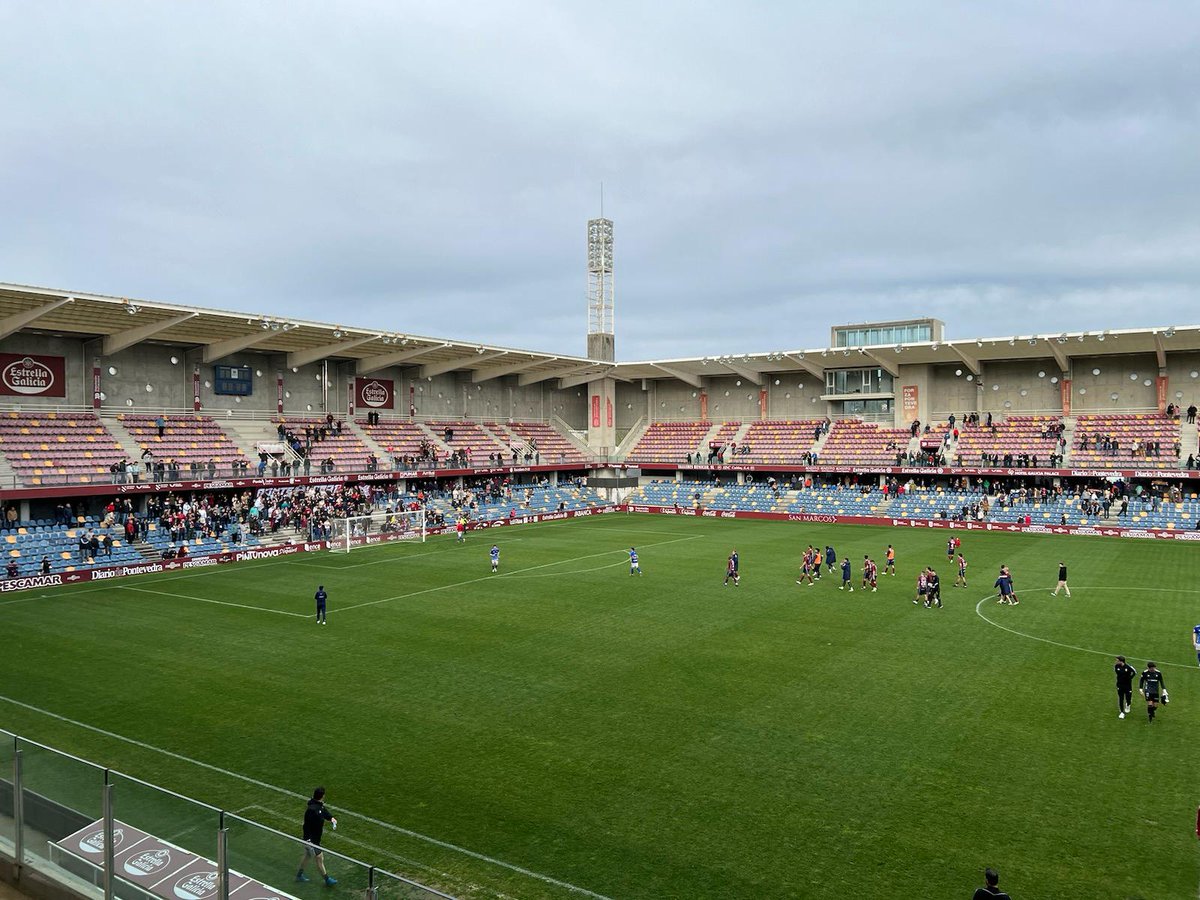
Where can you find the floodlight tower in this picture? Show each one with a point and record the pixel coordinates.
(600, 341)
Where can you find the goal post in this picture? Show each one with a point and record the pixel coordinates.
(377, 528)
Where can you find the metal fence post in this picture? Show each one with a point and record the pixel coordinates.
(18, 811)
(370, 883)
(108, 838)
(222, 861)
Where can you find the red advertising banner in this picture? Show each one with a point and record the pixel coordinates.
(32, 375)
(608, 414)
(375, 393)
(595, 410)
(96, 389)
(1064, 390)
(762, 403)
(196, 389)
(1160, 384)
(704, 406)
(910, 402)
(279, 392)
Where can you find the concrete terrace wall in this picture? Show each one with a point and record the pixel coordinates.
(167, 372)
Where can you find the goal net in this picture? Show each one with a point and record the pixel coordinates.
(377, 528)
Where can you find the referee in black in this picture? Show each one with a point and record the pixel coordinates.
(315, 817)
(1125, 673)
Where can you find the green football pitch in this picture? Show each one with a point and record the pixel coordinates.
(564, 729)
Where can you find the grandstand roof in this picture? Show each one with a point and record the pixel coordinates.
(120, 322)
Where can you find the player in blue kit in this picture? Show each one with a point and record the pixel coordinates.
(1196, 642)
(846, 570)
(494, 553)
(320, 596)
(635, 568)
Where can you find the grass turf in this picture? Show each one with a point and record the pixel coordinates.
(661, 736)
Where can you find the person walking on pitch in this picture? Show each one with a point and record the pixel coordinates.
(1152, 688)
(315, 817)
(1124, 672)
(846, 568)
(320, 596)
(1062, 580)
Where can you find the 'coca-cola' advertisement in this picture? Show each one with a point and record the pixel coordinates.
(32, 376)
(375, 393)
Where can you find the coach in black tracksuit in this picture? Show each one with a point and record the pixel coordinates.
(1125, 673)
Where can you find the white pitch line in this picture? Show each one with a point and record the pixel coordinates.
(566, 885)
(1034, 637)
(278, 612)
(515, 572)
(342, 839)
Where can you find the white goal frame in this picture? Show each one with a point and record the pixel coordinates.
(379, 527)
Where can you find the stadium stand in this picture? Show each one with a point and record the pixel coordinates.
(469, 437)
(782, 442)
(1120, 441)
(52, 448)
(348, 452)
(853, 443)
(191, 440)
(1032, 436)
(669, 442)
(551, 446)
(401, 439)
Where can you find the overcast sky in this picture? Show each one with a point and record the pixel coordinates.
(772, 168)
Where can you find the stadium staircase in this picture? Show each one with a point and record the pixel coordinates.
(818, 446)
(127, 441)
(381, 454)
(626, 444)
(1189, 442)
(146, 550)
(580, 444)
(8, 475)
(1069, 435)
(248, 434)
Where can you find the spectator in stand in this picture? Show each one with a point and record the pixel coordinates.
(11, 570)
(161, 424)
(1191, 414)
(46, 559)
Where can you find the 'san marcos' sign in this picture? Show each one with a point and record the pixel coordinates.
(32, 376)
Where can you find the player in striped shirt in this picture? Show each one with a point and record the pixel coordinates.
(961, 580)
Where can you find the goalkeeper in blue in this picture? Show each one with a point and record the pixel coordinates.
(494, 553)
(635, 568)
(1196, 642)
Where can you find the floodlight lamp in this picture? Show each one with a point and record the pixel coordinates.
(337, 332)
(934, 346)
(1170, 332)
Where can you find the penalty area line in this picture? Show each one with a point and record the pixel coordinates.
(514, 573)
(1034, 637)
(278, 612)
(491, 860)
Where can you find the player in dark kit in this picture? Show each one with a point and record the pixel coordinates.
(1152, 688)
(1125, 673)
(731, 570)
(315, 817)
(934, 589)
(320, 596)
(846, 576)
